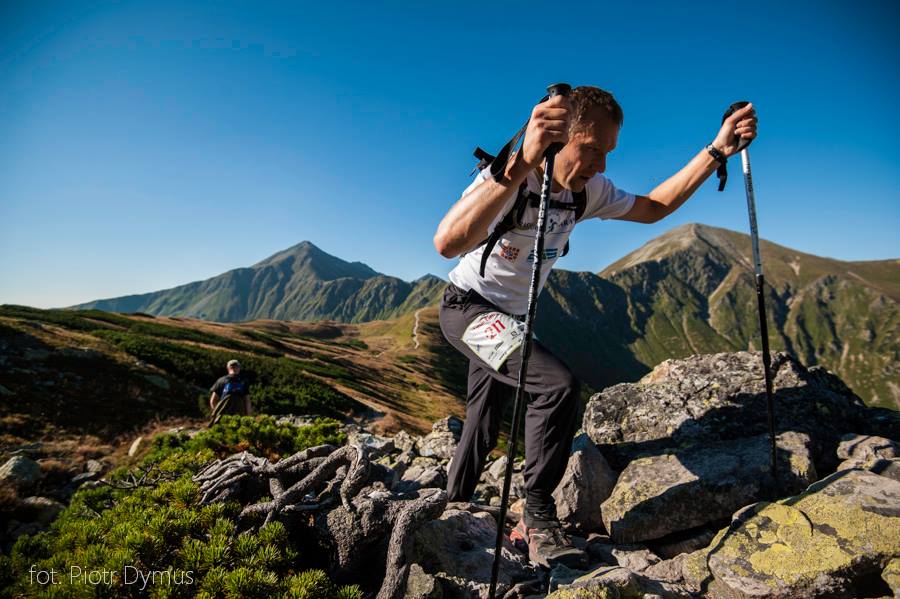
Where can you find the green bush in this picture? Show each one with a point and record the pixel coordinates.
(277, 385)
(181, 548)
(260, 435)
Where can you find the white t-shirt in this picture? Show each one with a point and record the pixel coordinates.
(507, 274)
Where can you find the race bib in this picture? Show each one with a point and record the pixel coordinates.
(493, 337)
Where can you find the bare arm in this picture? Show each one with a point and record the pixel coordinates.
(674, 191)
(466, 224)
(213, 400)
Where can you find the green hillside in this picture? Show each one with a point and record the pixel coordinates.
(100, 374)
(300, 283)
(692, 291)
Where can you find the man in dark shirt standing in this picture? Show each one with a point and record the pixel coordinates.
(230, 394)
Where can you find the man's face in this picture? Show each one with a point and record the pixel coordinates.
(585, 154)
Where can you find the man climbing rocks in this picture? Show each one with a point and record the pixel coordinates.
(230, 394)
(483, 306)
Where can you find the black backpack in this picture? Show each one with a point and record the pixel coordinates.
(525, 197)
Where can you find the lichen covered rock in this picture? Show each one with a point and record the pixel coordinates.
(862, 451)
(820, 543)
(458, 548)
(715, 397)
(667, 493)
(613, 582)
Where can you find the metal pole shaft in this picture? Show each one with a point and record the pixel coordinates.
(761, 301)
(523, 368)
(549, 159)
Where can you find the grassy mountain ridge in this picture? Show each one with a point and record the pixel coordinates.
(103, 374)
(299, 283)
(692, 290)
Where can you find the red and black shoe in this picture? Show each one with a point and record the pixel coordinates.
(547, 546)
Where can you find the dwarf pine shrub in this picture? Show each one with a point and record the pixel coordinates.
(277, 385)
(159, 541)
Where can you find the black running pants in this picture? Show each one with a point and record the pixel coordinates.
(550, 418)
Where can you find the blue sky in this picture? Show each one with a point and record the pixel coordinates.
(148, 144)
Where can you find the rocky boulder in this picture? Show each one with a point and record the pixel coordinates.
(862, 451)
(671, 492)
(588, 481)
(21, 472)
(442, 440)
(615, 582)
(714, 397)
(457, 549)
(41, 510)
(830, 541)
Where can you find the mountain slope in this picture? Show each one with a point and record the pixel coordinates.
(692, 290)
(299, 283)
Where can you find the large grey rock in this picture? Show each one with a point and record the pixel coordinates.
(862, 451)
(707, 398)
(376, 445)
(636, 558)
(21, 472)
(889, 468)
(497, 470)
(617, 582)
(587, 482)
(458, 548)
(423, 472)
(420, 585)
(42, 510)
(662, 494)
(442, 440)
(824, 542)
(404, 441)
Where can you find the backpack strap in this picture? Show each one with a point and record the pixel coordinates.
(580, 198)
(512, 218)
(506, 224)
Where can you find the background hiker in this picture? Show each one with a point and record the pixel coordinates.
(230, 394)
(482, 308)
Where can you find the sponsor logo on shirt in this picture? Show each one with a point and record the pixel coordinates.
(509, 252)
(548, 254)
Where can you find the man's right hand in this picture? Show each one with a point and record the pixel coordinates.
(549, 124)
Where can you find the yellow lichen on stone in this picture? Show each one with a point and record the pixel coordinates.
(891, 575)
(791, 542)
(865, 531)
(799, 464)
(768, 537)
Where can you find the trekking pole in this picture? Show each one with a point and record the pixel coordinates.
(760, 286)
(559, 89)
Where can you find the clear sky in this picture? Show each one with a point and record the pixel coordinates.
(145, 145)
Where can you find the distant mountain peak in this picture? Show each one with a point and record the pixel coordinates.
(302, 282)
(308, 258)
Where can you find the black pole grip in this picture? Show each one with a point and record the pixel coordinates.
(742, 143)
(557, 89)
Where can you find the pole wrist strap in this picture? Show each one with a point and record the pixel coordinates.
(722, 171)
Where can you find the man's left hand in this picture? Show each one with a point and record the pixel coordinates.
(741, 124)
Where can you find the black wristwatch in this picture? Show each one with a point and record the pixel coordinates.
(716, 154)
